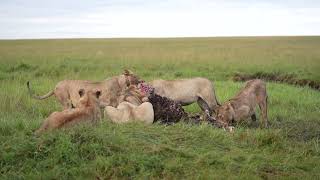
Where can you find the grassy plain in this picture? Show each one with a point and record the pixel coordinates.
(288, 149)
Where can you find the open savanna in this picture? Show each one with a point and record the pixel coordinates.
(289, 149)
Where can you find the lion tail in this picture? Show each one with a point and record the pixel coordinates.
(39, 97)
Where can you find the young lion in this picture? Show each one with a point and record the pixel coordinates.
(87, 110)
(66, 91)
(243, 105)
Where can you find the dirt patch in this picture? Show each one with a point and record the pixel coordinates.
(277, 77)
(270, 172)
(299, 129)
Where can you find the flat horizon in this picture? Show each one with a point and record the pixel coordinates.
(176, 37)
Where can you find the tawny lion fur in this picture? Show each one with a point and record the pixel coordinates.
(188, 91)
(127, 112)
(243, 105)
(66, 91)
(87, 110)
(133, 95)
(132, 107)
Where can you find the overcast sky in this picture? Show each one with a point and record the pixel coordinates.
(157, 18)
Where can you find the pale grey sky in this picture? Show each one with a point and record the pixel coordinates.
(21, 19)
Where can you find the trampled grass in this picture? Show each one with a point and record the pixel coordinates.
(288, 149)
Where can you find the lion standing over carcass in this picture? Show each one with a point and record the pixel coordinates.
(188, 91)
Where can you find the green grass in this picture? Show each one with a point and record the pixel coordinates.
(288, 149)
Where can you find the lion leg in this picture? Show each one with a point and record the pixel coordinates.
(42, 128)
(64, 99)
(46, 125)
(263, 105)
(209, 96)
(203, 104)
(254, 121)
(205, 108)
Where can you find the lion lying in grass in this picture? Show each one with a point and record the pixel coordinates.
(132, 107)
(66, 91)
(243, 105)
(87, 110)
(188, 91)
(127, 112)
(133, 95)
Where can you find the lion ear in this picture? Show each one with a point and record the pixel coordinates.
(228, 106)
(98, 94)
(131, 87)
(81, 92)
(127, 72)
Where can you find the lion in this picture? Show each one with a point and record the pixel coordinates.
(133, 95)
(66, 91)
(127, 112)
(86, 110)
(133, 106)
(188, 91)
(243, 105)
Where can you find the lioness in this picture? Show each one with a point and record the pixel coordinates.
(87, 109)
(188, 91)
(132, 107)
(66, 91)
(127, 112)
(133, 95)
(243, 105)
